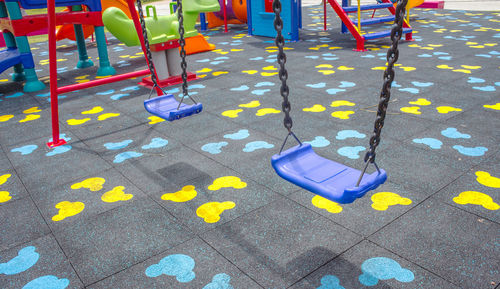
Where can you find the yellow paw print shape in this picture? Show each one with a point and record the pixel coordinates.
(326, 204)
(115, 195)
(484, 178)
(4, 196)
(227, 182)
(93, 184)
(210, 212)
(67, 209)
(187, 193)
(4, 178)
(476, 198)
(383, 200)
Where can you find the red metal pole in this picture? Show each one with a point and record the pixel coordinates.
(225, 15)
(324, 15)
(53, 75)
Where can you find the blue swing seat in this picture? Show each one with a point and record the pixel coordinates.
(165, 106)
(301, 166)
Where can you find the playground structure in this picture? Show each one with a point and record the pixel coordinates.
(235, 12)
(16, 27)
(261, 18)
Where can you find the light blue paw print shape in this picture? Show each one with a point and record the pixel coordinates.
(59, 150)
(330, 282)
(155, 143)
(117, 145)
(47, 282)
(179, 265)
(349, 133)
(382, 268)
(241, 134)
(319, 142)
(219, 281)
(472, 152)
(25, 259)
(256, 145)
(351, 152)
(430, 142)
(214, 147)
(452, 132)
(25, 150)
(121, 157)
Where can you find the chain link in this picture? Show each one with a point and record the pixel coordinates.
(149, 57)
(385, 94)
(283, 73)
(182, 42)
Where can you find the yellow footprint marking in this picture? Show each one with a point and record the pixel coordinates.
(485, 179)
(232, 113)
(324, 66)
(4, 178)
(268, 73)
(250, 71)
(4, 196)
(326, 72)
(476, 198)
(107, 115)
(203, 70)
(75, 121)
(30, 117)
(94, 110)
(420, 101)
(326, 204)
(436, 45)
(471, 67)
(492, 106)
(270, 67)
(237, 50)
(4, 118)
(115, 195)
(447, 109)
(342, 114)
(93, 184)
(383, 200)
(335, 47)
(217, 73)
(227, 182)
(378, 68)
(444, 66)
(462, 70)
(411, 109)
(345, 68)
(32, 110)
(408, 68)
(315, 108)
(155, 119)
(253, 103)
(338, 103)
(67, 209)
(264, 111)
(186, 194)
(210, 212)
(82, 77)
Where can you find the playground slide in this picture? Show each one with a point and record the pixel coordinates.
(67, 31)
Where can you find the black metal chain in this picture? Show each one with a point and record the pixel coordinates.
(385, 93)
(283, 73)
(182, 42)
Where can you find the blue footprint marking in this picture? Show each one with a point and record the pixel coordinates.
(214, 147)
(346, 84)
(197, 86)
(330, 282)
(25, 150)
(475, 80)
(488, 88)
(59, 150)
(382, 268)
(264, 83)
(119, 96)
(47, 282)
(260, 91)
(25, 259)
(472, 152)
(422, 84)
(452, 132)
(319, 142)
(219, 281)
(241, 134)
(134, 87)
(351, 152)
(240, 88)
(61, 136)
(111, 91)
(17, 94)
(121, 157)
(256, 145)
(117, 145)
(317, 85)
(349, 133)
(410, 90)
(203, 60)
(429, 141)
(334, 90)
(179, 265)
(155, 143)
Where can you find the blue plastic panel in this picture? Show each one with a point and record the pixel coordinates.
(351, 9)
(11, 56)
(301, 166)
(382, 34)
(375, 20)
(94, 5)
(165, 106)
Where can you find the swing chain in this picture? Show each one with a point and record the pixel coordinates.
(385, 94)
(283, 73)
(182, 42)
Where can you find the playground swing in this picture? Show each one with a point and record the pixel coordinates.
(165, 105)
(301, 166)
